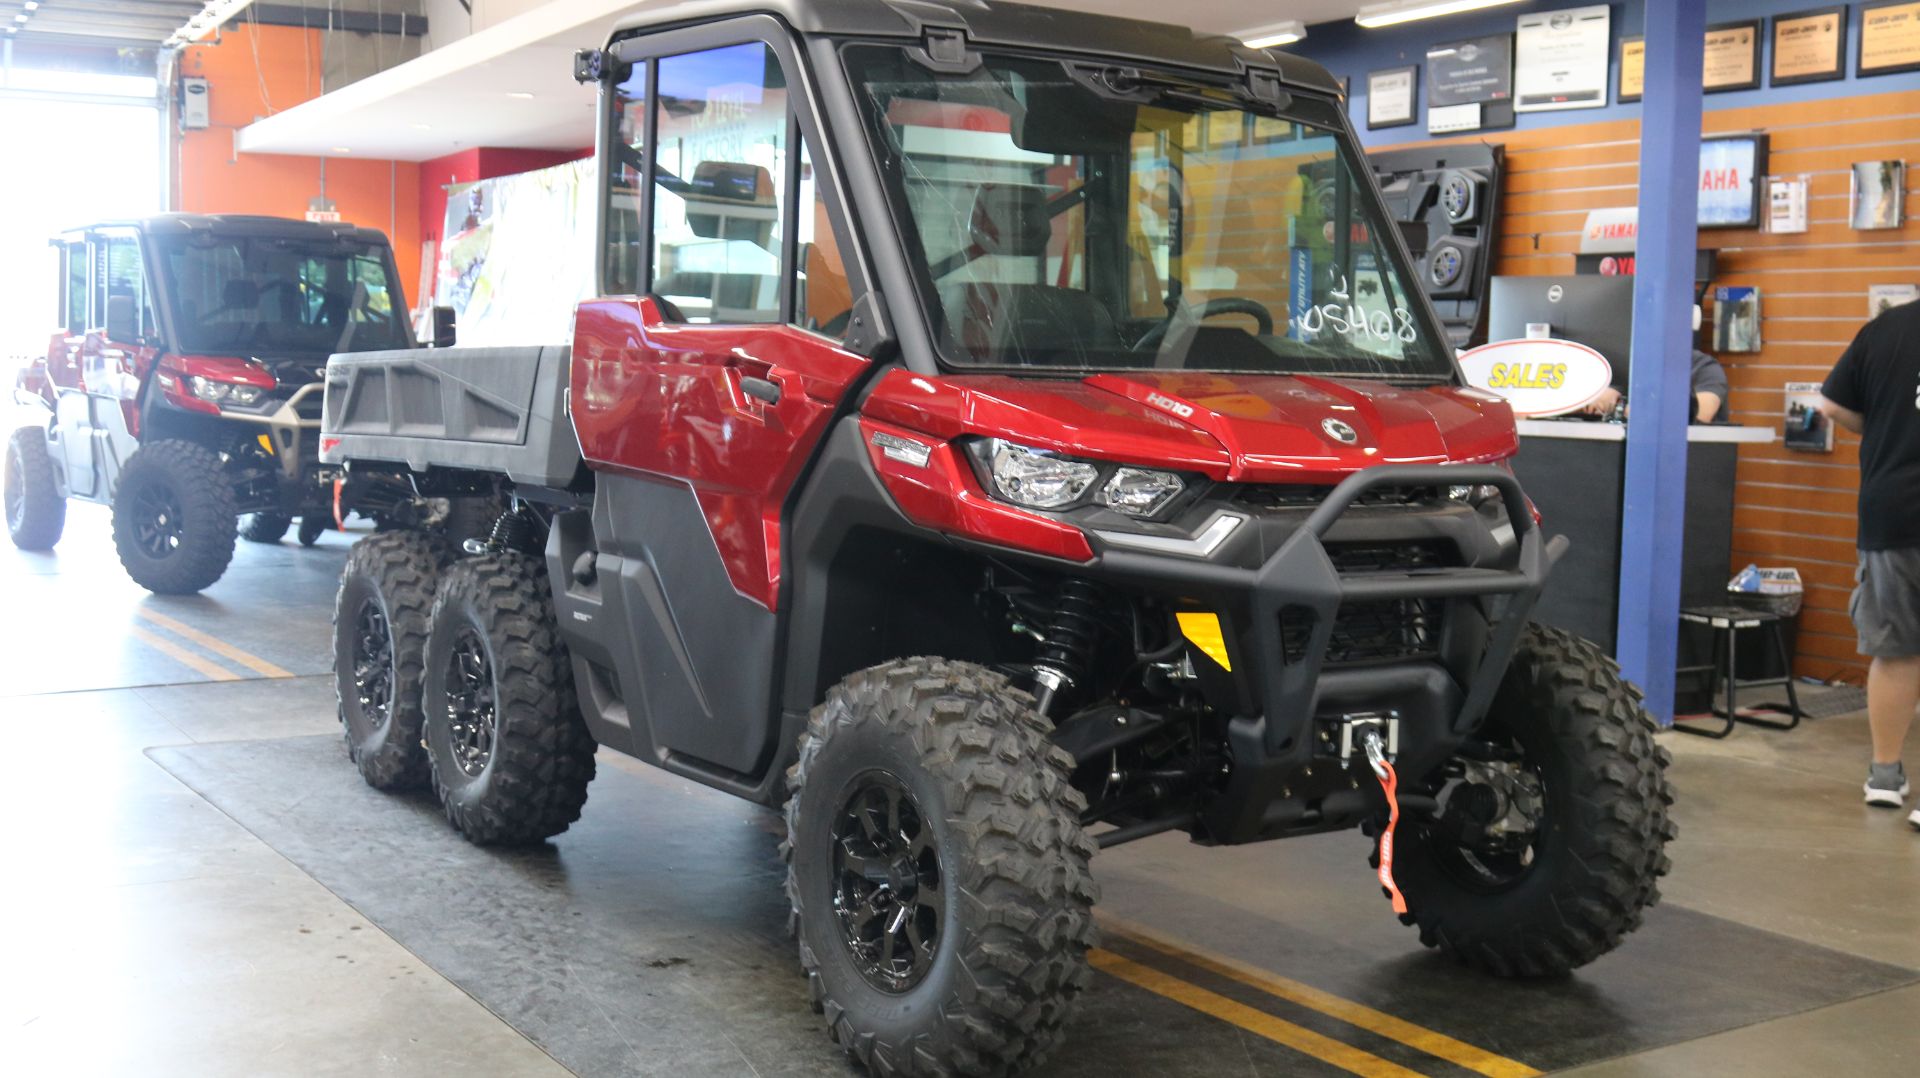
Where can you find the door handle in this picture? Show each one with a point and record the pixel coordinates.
(760, 389)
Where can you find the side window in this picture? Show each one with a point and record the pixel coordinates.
(720, 181)
(823, 299)
(74, 315)
(626, 172)
(125, 283)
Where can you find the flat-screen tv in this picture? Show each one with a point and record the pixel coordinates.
(1731, 170)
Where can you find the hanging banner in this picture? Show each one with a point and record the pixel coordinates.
(515, 258)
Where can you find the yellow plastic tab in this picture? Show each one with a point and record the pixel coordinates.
(1203, 632)
(266, 443)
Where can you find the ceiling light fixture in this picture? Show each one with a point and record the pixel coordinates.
(1268, 37)
(521, 94)
(341, 149)
(1374, 16)
(211, 16)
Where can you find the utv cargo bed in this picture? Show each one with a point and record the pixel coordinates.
(500, 410)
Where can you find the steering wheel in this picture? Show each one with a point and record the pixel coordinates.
(1262, 318)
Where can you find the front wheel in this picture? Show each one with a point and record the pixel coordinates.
(312, 527)
(937, 873)
(174, 519)
(265, 527)
(1553, 826)
(36, 511)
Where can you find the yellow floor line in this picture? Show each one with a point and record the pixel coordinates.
(214, 644)
(1278, 1030)
(1426, 1040)
(181, 655)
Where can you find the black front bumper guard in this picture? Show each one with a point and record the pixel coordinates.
(1302, 576)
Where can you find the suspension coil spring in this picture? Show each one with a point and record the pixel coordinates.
(512, 530)
(1067, 648)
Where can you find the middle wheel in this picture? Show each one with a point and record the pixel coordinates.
(510, 756)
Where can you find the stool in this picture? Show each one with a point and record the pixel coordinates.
(1726, 623)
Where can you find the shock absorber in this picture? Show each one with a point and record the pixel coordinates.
(1066, 648)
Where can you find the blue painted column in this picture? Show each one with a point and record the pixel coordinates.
(1654, 511)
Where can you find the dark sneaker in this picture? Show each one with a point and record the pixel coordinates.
(1887, 786)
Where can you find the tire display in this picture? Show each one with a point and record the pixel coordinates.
(380, 620)
(36, 511)
(174, 521)
(509, 754)
(937, 872)
(1569, 750)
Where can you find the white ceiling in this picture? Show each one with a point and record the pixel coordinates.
(461, 96)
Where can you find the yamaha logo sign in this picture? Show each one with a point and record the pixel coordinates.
(1339, 431)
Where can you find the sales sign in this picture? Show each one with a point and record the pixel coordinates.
(1542, 377)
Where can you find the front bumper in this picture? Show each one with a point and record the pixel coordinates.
(1279, 618)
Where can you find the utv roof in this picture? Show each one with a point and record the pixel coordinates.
(236, 224)
(1015, 25)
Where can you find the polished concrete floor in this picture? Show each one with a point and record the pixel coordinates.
(200, 885)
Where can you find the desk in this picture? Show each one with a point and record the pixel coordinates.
(1575, 470)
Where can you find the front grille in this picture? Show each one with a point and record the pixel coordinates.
(1281, 496)
(1375, 631)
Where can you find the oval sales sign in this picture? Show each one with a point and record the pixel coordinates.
(1539, 377)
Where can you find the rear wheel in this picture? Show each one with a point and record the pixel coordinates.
(174, 520)
(312, 527)
(937, 873)
(264, 527)
(380, 617)
(1552, 834)
(510, 755)
(36, 512)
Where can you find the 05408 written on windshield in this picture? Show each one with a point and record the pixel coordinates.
(1061, 228)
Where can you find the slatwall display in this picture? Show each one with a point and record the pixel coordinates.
(1790, 508)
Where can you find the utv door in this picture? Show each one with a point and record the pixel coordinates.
(703, 383)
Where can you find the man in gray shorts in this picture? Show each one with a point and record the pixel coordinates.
(1874, 391)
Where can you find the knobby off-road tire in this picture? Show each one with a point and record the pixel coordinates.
(174, 520)
(36, 512)
(265, 527)
(380, 619)
(312, 527)
(1010, 884)
(509, 753)
(1600, 851)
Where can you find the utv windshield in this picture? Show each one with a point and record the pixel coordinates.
(259, 294)
(1067, 215)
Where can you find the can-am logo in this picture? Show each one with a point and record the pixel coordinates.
(1554, 293)
(1339, 431)
(1168, 404)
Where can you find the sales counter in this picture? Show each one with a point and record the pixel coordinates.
(1575, 472)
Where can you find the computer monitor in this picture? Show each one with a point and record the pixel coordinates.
(1592, 310)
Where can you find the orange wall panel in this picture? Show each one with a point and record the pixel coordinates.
(255, 71)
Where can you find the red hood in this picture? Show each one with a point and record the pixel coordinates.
(1244, 428)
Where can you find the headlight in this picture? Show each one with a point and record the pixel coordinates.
(1475, 495)
(1140, 492)
(207, 389)
(1034, 478)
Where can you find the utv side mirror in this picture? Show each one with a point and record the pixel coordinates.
(123, 321)
(443, 327)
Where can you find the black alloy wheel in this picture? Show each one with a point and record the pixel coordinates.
(887, 891)
(1494, 812)
(156, 521)
(472, 718)
(373, 663)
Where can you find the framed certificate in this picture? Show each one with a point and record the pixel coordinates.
(1478, 71)
(1391, 97)
(1733, 57)
(1889, 38)
(1560, 60)
(1809, 46)
(1633, 68)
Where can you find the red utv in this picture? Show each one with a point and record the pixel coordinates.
(184, 385)
(1003, 433)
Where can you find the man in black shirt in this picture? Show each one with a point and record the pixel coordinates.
(1874, 391)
